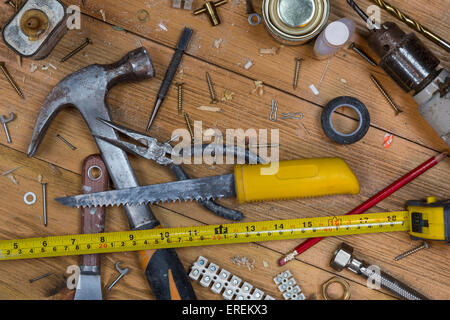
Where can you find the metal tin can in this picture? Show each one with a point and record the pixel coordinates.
(295, 22)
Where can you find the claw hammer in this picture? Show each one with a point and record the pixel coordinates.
(87, 90)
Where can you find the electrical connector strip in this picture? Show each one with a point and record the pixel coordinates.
(221, 281)
(288, 286)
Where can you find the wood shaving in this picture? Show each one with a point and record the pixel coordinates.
(210, 109)
(227, 95)
(259, 88)
(163, 27)
(273, 50)
(217, 43)
(51, 65)
(103, 13)
(265, 264)
(33, 67)
(54, 169)
(314, 90)
(10, 171)
(248, 65)
(13, 179)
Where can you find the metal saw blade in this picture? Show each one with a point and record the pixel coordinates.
(202, 189)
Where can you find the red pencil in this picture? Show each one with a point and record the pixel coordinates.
(372, 202)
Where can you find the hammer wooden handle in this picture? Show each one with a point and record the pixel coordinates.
(95, 178)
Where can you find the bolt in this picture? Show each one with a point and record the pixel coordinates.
(4, 121)
(122, 272)
(74, 52)
(44, 201)
(386, 95)
(180, 98)
(211, 89)
(10, 79)
(40, 277)
(425, 245)
(362, 54)
(298, 64)
(71, 146)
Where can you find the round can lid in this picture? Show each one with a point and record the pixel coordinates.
(296, 13)
(337, 33)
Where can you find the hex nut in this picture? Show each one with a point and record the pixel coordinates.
(342, 257)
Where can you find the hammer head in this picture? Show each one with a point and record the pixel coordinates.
(87, 89)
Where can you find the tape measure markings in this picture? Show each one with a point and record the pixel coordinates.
(203, 235)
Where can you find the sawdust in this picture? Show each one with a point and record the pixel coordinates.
(227, 95)
(269, 51)
(259, 88)
(103, 13)
(12, 179)
(217, 43)
(209, 109)
(54, 169)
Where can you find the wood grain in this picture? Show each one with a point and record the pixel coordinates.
(131, 104)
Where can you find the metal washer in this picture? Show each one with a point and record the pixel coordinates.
(33, 198)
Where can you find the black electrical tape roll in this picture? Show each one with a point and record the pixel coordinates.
(360, 109)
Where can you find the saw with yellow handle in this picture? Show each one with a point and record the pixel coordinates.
(430, 221)
(249, 183)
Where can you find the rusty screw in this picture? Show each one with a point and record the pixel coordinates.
(425, 245)
(180, 98)
(211, 89)
(188, 124)
(298, 64)
(10, 79)
(386, 95)
(10, 3)
(74, 52)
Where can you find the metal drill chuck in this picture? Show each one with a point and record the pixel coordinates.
(344, 258)
(404, 57)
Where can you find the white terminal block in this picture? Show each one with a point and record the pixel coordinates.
(223, 282)
(288, 286)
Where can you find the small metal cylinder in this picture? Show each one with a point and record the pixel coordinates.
(295, 22)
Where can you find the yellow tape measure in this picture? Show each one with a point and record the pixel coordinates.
(204, 235)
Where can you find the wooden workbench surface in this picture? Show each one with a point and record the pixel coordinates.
(347, 74)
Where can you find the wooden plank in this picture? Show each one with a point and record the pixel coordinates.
(131, 105)
(241, 43)
(21, 221)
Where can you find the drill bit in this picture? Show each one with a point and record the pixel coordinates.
(413, 24)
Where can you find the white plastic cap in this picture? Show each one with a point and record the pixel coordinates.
(337, 33)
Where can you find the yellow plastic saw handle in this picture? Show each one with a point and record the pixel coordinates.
(294, 179)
